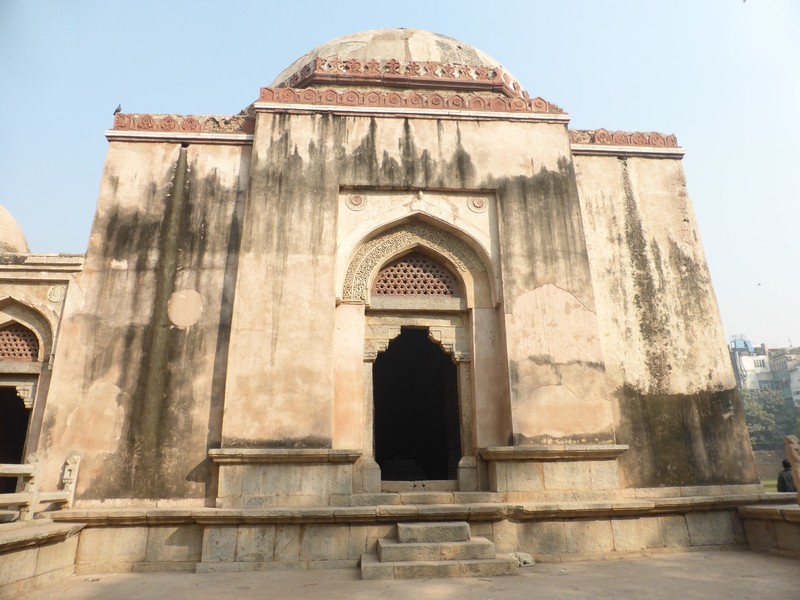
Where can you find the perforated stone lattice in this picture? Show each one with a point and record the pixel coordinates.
(415, 275)
(18, 344)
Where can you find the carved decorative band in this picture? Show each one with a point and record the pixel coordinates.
(396, 73)
(184, 124)
(373, 98)
(622, 138)
(378, 250)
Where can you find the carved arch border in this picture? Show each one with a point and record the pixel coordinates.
(395, 241)
(17, 311)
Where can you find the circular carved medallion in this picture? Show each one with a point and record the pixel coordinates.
(356, 202)
(56, 293)
(478, 204)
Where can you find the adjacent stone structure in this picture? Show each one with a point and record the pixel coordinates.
(395, 288)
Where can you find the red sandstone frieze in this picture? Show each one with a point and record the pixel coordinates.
(604, 137)
(405, 74)
(184, 124)
(408, 99)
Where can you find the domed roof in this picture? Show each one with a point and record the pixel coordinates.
(11, 237)
(404, 45)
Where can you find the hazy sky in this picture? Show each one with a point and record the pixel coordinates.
(723, 75)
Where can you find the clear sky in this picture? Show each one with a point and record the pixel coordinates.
(723, 75)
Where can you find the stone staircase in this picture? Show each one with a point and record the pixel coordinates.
(436, 550)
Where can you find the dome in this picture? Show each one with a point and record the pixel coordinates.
(11, 237)
(381, 45)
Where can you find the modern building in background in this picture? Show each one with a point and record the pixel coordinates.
(763, 368)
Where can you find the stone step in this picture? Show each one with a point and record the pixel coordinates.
(474, 548)
(504, 564)
(452, 531)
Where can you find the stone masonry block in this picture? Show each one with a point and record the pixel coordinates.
(761, 533)
(505, 536)
(17, 565)
(378, 532)
(475, 549)
(372, 568)
(605, 475)
(230, 481)
(788, 536)
(628, 535)
(287, 543)
(710, 528)
(325, 542)
(357, 541)
(420, 570)
(542, 537)
(170, 543)
(567, 475)
(588, 536)
(219, 544)
(112, 545)
(255, 543)
(652, 532)
(456, 531)
(391, 551)
(523, 476)
(52, 557)
(675, 531)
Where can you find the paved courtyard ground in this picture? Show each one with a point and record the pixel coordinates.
(731, 575)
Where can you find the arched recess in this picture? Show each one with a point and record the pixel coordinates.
(401, 239)
(466, 327)
(26, 342)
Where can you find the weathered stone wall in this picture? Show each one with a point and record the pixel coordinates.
(280, 376)
(139, 376)
(666, 360)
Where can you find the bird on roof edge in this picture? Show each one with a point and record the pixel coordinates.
(118, 109)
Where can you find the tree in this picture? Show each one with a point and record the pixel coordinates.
(769, 416)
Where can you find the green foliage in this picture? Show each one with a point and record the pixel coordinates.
(769, 417)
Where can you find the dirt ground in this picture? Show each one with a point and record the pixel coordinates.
(684, 576)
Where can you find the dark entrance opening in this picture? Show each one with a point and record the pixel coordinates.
(416, 410)
(13, 429)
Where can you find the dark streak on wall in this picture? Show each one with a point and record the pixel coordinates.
(684, 439)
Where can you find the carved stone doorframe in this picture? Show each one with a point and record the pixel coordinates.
(451, 322)
(453, 333)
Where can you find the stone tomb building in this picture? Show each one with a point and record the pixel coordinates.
(395, 289)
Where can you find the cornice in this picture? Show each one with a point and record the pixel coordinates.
(399, 102)
(624, 143)
(220, 129)
(405, 74)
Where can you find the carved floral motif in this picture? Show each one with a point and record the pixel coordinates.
(439, 100)
(56, 293)
(622, 138)
(404, 73)
(187, 124)
(379, 249)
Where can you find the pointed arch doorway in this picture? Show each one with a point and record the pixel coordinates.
(421, 396)
(417, 422)
(428, 287)
(20, 353)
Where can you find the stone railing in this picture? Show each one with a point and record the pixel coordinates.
(26, 502)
